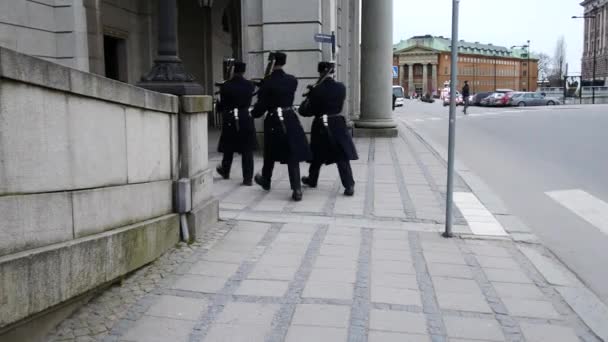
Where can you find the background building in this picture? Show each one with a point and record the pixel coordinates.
(595, 29)
(424, 65)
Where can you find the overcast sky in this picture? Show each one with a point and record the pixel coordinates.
(500, 22)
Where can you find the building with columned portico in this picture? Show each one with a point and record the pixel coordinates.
(424, 64)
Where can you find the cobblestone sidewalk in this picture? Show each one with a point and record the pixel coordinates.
(331, 268)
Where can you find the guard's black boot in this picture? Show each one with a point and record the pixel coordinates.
(306, 181)
(259, 180)
(297, 195)
(248, 182)
(225, 174)
(350, 191)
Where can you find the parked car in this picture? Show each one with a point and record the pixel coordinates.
(459, 100)
(478, 97)
(535, 99)
(493, 100)
(506, 99)
(400, 95)
(427, 98)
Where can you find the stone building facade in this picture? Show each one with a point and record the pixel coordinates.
(424, 66)
(596, 38)
(118, 38)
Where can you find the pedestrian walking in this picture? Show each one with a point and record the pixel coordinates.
(330, 140)
(238, 129)
(284, 137)
(465, 96)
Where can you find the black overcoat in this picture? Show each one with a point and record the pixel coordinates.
(284, 140)
(334, 142)
(236, 93)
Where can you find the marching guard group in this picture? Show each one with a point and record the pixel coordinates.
(284, 138)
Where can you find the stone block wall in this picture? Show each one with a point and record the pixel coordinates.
(51, 29)
(87, 172)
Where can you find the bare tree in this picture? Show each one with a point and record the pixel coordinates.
(559, 62)
(544, 66)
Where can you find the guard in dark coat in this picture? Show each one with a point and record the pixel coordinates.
(331, 141)
(238, 128)
(284, 137)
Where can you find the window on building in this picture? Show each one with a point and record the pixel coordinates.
(445, 72)
(524, 73)
(115, 58)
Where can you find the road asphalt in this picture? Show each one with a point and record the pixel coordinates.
(549, 166)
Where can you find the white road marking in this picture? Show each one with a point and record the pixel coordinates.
(418, 120)
(480, 219)
(435, 119)
(585, 205)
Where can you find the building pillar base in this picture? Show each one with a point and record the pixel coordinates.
(375, 128)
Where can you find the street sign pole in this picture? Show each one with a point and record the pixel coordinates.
(452, 138)
(333, 46)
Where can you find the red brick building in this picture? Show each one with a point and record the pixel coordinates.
(424, 66)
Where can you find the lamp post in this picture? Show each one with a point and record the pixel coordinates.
(527, 47)
(594, 51)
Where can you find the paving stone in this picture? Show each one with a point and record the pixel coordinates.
(489, 250)
(328, 290)
(390, 235)
(335, 263)
(226, 257)
(248, 314)
(268, 272)
(237, 333)
(395, 255)
(395, 244)
(391, 266)
(284, 260)
(463, 302)
(321, 315)
(383, 336)
(523, 291)
(198, 283)
(450, 270)
(456, 285)
(214, 269)
(332, 275)
(394, 280)
(342, 240)
(445, 258)
(346, 252)
(530, 308)
(298, 333)
(548, 333)
(397, 321)
(178, 308)
(264, 288)
(157, 329)
(497, 262)
(390, 295)
(473, 328)
(507, 276)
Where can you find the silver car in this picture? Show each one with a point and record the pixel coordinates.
(533, 99)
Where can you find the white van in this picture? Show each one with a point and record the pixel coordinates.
(399, 93)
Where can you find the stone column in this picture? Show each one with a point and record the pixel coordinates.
(168, 74)
(401, 69)
(410, 79)
(425, 79)
(376, 76)
(434, 78)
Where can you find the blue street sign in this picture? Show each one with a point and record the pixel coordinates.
(323, 38)
(395, 71)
